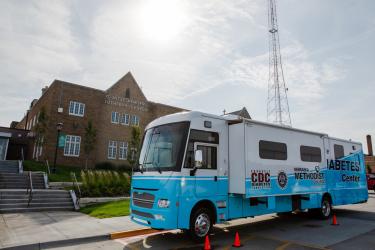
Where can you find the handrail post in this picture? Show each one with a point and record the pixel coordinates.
(75, 183)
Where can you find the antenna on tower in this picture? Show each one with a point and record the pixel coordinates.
(277, 102)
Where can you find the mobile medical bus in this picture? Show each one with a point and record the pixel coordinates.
(197, 169)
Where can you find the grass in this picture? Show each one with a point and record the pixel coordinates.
(107, 209)
(62, 172)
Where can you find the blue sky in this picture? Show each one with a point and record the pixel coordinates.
(203, 55)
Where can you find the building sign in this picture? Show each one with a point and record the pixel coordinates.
(125, 102)
(61, 143)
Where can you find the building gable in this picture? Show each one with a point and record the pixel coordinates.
(127, 87)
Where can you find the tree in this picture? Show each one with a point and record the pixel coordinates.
(89, 140)
(369, 170)
(135, 143)
(40, 130)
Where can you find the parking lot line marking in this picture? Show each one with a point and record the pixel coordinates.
(293, 243)
(283, 246)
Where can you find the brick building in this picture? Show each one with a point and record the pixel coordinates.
(112, 112)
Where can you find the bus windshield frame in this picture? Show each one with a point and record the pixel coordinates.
(163, 147)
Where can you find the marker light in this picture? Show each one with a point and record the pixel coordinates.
(163, 203)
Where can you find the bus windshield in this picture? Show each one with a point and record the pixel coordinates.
(163, 147)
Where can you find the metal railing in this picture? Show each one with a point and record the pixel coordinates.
(76, 187)
(30, 189)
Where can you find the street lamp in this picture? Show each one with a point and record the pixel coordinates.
(59, 127)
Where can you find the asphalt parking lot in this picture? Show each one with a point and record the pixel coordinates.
(297, 231)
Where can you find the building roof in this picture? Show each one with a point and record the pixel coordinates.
(242, 112)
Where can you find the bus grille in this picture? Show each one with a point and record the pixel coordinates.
(145, 200)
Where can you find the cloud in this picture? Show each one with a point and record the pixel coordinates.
(305, 79)
(36, 46)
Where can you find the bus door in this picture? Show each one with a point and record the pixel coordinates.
(206, 176)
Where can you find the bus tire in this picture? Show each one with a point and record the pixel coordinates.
(200, 224)
(325, 210)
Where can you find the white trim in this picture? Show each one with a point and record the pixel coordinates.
(117, 115)
(113, 146)
(80, 105)
(3, 134)
(71, 144)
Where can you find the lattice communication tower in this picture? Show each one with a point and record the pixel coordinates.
(277, 102)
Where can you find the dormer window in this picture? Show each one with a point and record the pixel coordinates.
(127, 93)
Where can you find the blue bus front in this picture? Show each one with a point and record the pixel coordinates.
(156, 182)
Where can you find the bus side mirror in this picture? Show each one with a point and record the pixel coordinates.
(198, 157)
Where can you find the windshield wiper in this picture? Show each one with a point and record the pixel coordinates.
(157, 167)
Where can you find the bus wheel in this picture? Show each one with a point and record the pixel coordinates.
(325, 210)
(200, 224)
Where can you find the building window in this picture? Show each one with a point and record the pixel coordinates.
(76, 108)
(112, 149)
(135, 120)
(115, 117)
(127, 119)
(123, 150)
(272, 150)
(127, 93)
(310, 154)
(339, 151)
(124, 120)
(72, 145)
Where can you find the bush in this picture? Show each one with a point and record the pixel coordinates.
(104, 183)
(105, 166)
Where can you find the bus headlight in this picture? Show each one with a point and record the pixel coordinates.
(163, 203)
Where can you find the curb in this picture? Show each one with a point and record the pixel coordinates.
(131, 233)
(82, 240)
(59, 243)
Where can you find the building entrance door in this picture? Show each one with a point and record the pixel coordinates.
(3, 148)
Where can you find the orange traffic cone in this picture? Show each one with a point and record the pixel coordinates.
(207, 245)
(237, 242)
(334, 221)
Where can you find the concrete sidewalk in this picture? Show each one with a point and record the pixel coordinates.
(38, 227)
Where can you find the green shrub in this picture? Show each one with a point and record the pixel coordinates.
(104, 183)
(105, 166)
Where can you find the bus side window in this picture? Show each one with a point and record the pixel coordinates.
(209, 157)
(339, 151)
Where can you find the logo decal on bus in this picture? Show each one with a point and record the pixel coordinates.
(260, 179)
(282, 179)
(305, 174)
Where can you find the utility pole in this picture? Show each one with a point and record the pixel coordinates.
(277, 102)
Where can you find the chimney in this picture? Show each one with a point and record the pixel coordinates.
(369, 145)
(44, 90)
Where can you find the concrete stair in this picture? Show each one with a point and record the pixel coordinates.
(15, 201)
(10, 180)
(9, 167)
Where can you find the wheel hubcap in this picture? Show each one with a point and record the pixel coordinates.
(326, 208)
(202, 225)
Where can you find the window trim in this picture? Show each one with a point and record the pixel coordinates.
(204, 144)
(80, 105)
(309, 147)
(113, 147)
(261, 156)
(135, 120)
(67, 153)
(125, 147)
(116, 121)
